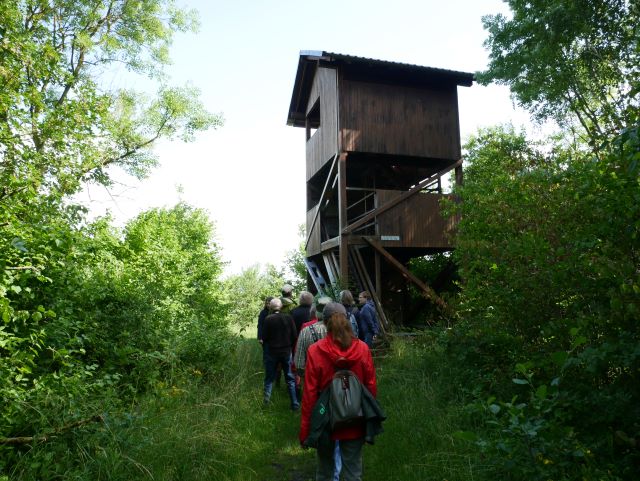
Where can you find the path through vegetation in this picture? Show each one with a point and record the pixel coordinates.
(217, 429)
(262, 444)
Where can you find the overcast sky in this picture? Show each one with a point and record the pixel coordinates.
(250, 174)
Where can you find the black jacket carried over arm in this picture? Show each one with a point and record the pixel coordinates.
(320, 434)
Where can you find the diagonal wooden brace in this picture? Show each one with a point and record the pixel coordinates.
(406, 273)
(405, 195)
(325, 191)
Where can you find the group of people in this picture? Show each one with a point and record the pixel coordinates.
(307, 342)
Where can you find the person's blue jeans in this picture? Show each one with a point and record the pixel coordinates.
(337, 461)
(270, 363)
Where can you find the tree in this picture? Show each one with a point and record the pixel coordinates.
(60, 124)
(123, 309)
(169, 278)
(245, 292)
(294, 270)
(66, 285)
(569, 60)
(548, 252)
(547, 246)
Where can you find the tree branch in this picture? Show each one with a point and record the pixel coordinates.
(75, 70)
(136, 148)
(46, 437)
(8, 193)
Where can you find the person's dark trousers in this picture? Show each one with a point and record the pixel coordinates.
(270, 364)
(351, 453)
(265, 351)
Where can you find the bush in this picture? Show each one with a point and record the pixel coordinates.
(548, 251)
(93, 316)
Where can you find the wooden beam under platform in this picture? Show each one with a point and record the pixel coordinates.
(330, 244)
(406, 273)
(343, 257)
(361, 270)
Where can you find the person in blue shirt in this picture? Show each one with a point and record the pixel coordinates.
(367, 319)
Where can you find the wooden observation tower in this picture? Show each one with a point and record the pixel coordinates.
(380, 137)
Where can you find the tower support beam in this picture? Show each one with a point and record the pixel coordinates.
(406, 273)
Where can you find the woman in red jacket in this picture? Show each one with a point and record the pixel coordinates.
(339, 350)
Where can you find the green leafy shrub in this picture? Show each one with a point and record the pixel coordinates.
(96, 317)
(548, 252)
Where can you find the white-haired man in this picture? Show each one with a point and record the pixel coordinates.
(302, 313)
(279, 336)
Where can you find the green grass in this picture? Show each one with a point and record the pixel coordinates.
(424, 406)
(218, 430)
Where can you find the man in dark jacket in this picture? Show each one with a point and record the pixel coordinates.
(278, 336)
(302, 313)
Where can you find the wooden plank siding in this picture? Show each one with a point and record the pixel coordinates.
(313, 246)
(399, 120)
(417, 221)
(323, 145)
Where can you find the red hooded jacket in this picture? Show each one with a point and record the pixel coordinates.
(322, 358)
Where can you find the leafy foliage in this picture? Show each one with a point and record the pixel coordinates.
(60, 124)
(438, 271)
(245, 293)
(115, 314)
(91, 315)
(548, 249)
(569, 60)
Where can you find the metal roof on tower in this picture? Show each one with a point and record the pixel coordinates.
(366, 69)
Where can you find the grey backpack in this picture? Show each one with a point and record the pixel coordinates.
(345, 400)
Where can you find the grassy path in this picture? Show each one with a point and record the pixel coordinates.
(269, 435)
(421, 404)
(218, 429)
